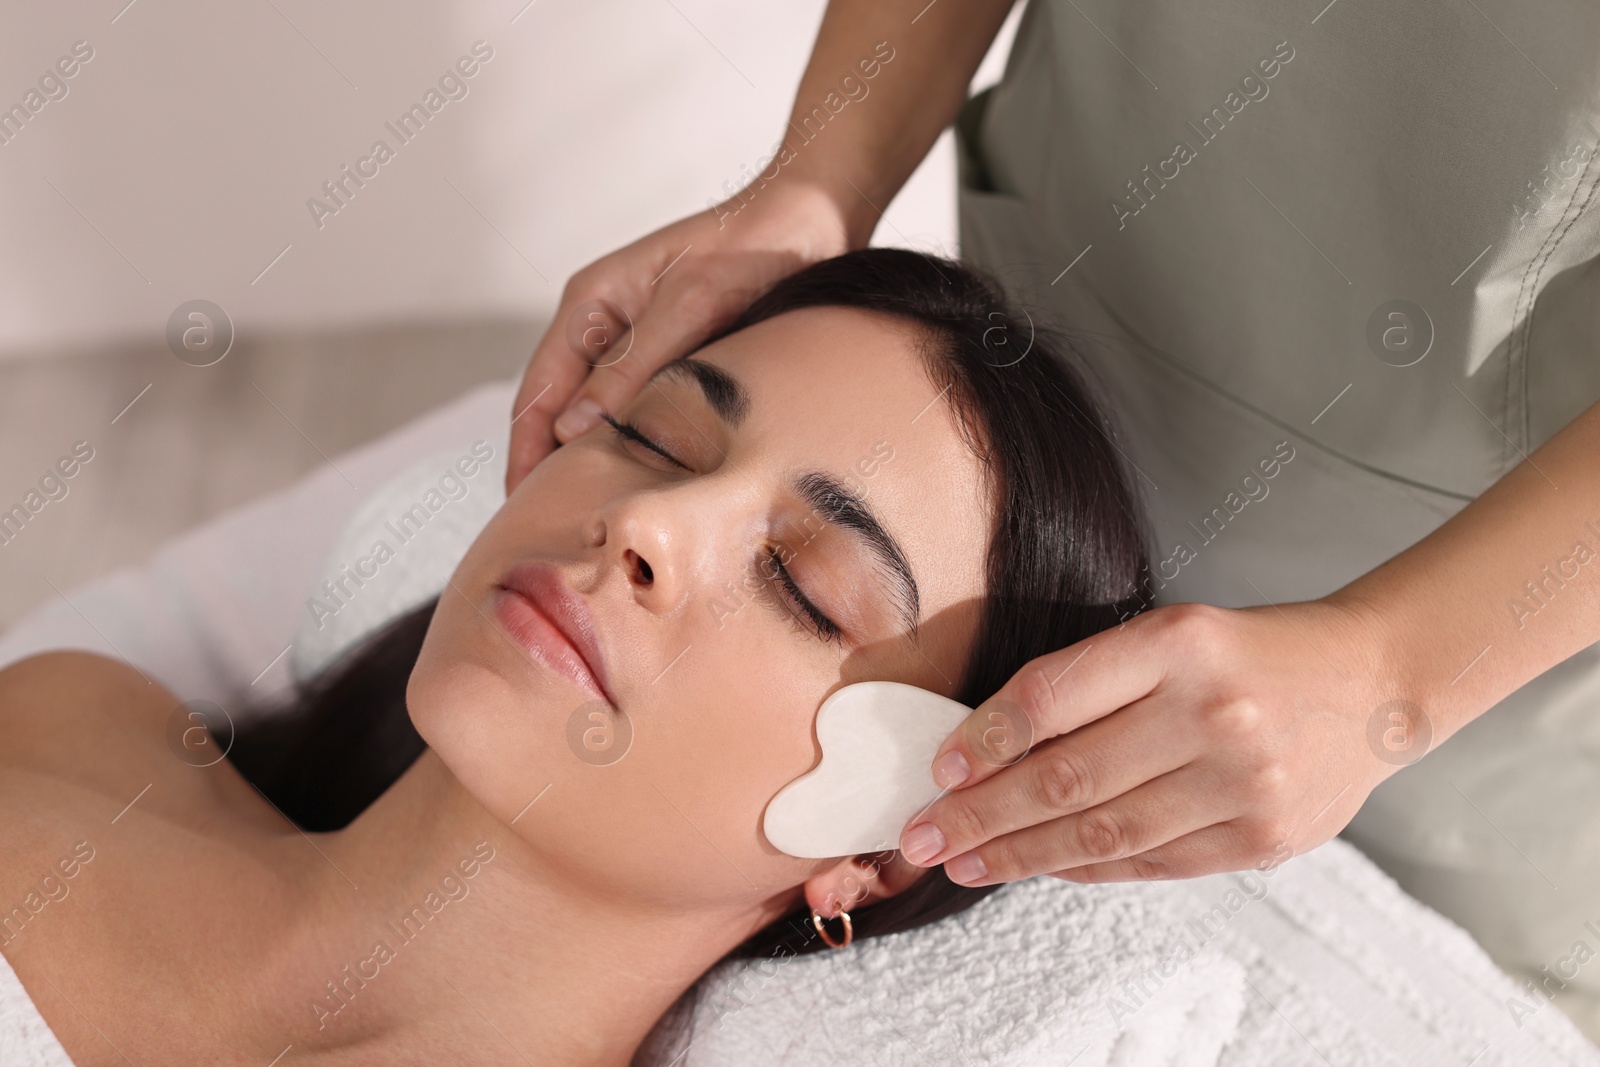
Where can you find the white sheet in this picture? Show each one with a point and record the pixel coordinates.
(26, 1040)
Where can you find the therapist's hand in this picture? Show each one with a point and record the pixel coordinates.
(1189, 740)
(625, 315)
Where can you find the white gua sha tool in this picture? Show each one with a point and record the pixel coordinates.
(878, 741)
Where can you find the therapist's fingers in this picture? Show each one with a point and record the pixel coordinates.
(625, 315)
(597, 327)
(1134, 823)
(696, 299)
(1061, 691)
(1057, 777)
(1235, 845)
(554, 373)
(1287, 707)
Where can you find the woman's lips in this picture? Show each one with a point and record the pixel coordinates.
(553, 624)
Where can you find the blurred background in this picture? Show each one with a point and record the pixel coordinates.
(176, 164)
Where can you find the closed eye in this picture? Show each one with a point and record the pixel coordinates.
(629, 432)
(802, 608)
(816, 620)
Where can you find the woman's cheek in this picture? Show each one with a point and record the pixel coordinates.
(767, 739)
(584, 466)
(756, 681)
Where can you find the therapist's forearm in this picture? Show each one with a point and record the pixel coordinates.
(862, 155)
(1455, 593)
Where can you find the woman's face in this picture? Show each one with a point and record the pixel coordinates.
(810, 448)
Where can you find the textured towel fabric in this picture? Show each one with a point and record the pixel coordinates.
(26, 1040)
(1030, 975)
(1323, 962)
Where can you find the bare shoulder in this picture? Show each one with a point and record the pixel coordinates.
(71, 687)
(74, 670)
(81, 716)
(99, 727)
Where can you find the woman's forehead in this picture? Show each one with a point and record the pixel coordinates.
(836, 364)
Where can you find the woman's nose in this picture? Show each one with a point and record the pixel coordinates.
(675, 543)
(638, 569)
(654, 540)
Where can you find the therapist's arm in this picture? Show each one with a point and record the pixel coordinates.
(915, 97)
(1197, 739)
(820, 197)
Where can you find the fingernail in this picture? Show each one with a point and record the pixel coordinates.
(950, 770)
(579, 418)
(923, 843)
(967, 867)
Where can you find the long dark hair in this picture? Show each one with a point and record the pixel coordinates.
(1069, 541)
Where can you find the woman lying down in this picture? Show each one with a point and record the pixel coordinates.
(859, 479)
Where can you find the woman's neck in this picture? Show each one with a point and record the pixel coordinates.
(428, 919)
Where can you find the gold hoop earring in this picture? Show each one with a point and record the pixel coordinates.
(849, 932)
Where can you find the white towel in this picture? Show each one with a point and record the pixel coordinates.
(1029, 975)
(1324, 961)
(26, 1040)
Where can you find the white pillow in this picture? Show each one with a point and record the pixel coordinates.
(398, 549)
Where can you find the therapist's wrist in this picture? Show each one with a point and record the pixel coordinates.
(808, 212)
(852, 203)
(1400, 659)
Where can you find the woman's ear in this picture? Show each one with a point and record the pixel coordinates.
(860, 880)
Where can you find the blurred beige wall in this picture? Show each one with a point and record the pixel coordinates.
(175, 164)
(179, 162)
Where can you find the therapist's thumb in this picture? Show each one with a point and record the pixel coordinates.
(676, 322)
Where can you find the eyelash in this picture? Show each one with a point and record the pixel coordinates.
(629, 432)
(818, 623)
(815, 620)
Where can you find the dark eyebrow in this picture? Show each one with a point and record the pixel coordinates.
(726, 394)
(829, 498)
(836, 504)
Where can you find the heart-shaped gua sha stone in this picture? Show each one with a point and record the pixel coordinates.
(878, 740)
